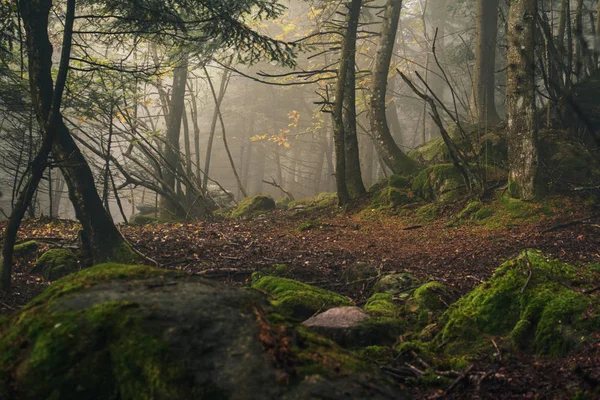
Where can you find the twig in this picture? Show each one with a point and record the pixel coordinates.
(415, 369)
(459, 379)
(497, 349)
(530, 273)
(592, 290)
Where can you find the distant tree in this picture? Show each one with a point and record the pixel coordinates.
(520, 99)
(483, 104)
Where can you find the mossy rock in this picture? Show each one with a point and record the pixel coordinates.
(392, 197)
(26, 249)
(396, 284)
(489, 146)
(134, 332)
(283, 204)
(441, 182)
(55, 263)
(429, 301)
(400, 181)
(321, 201)
(383, 305)
(297, 301)
(145, 219)
(427, 213)
(527, 301)
(253, 206)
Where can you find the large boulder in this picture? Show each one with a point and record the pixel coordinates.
(135, 332)
(528, 303)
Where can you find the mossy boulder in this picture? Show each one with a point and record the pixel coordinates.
(253, 206)
(429, 301)
(383, 305)
(528, 301)
(390, 196)
(145, 219)
(396, 284)
(134, 332)
(297, 301)
(400, 181)
(441, 182)
(55, 263)
(26, 249)
(320, 201)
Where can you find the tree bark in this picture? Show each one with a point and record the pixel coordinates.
(520, 100)
(483, 105)
(387, 148)
(168, 208)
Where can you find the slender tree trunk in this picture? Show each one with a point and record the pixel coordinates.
(168, 207)
(483, 105)
(520, 100)
(387, 148)
(213, 125)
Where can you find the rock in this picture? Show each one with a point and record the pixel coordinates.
(528, 303)
(297, 301)
(441, 182)
(135, 332)
(396, 284)
(429, 301)
(254, 206)
(338, 318)
(352, 327)
(55, 264)
(26, 249)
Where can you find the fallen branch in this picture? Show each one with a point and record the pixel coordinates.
(458, 380)
(582, 221)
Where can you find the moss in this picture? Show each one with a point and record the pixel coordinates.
(483, 213)
(428, 296)
(518, 208)
(55, 263)
(146, 219)
(427, 213)
(398, 284)
(382, 305)
(378, 354)
(322, 200)
(399, 181)
(358, 272)
(317, 355)
(297, 301)
(392, 197)
(546, 317)
(125, 361)
(469, 210)
(439, 182)
(283, 204)
(96, 275)
(26, 248)
(253, 206)
(307, 226)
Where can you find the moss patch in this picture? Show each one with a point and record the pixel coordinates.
(528, 301)
(146, 219)
(427, 213)
(440, 182)
(322, 200)
(26, 248)
(392, 197)
(298, 301)
(55, 264)
(397, 284)
(253, 206)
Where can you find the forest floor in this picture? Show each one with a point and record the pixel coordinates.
(316, 247)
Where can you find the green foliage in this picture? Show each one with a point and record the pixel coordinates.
(56, 263)
(427, 213)
(253, 206)
(297, 301)
(528, 301)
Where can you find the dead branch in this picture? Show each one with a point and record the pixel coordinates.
(278, 186)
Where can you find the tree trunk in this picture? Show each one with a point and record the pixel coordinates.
(520, 100)
(483, 105)
(387, 148)
(168, 207)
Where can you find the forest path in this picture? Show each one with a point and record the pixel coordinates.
(316, 247)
